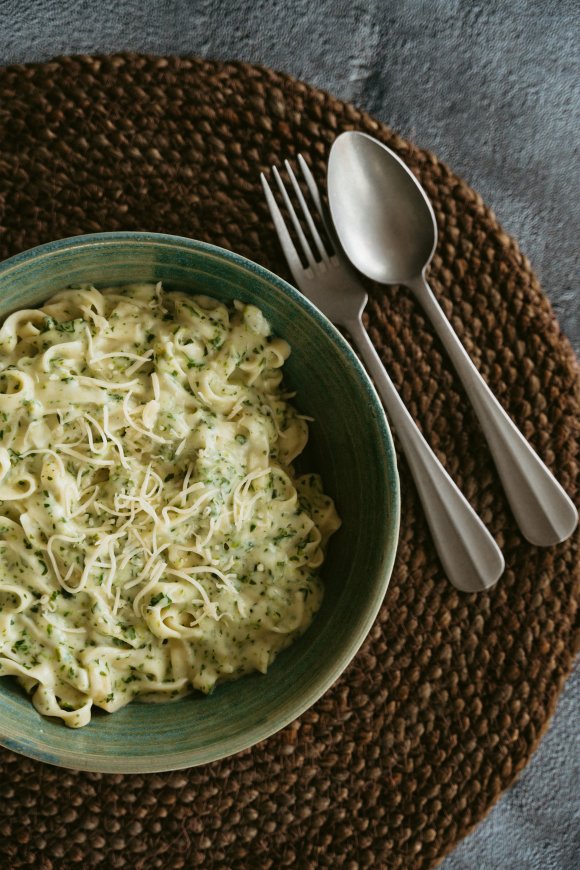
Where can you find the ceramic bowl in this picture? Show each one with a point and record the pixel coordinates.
(350, 445)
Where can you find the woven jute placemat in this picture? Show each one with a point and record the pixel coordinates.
(450, 694)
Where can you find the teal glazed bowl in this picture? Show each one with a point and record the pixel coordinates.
(350, 446)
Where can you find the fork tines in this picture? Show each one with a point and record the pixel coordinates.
(323, 250)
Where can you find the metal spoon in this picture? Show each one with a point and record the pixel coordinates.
(386, 225)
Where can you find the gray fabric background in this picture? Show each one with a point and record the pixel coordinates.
(494, 89)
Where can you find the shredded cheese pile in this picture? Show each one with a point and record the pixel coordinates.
(153, 535)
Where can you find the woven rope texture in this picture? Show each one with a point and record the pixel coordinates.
(450, 693)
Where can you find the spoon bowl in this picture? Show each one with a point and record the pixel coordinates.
(383, 218)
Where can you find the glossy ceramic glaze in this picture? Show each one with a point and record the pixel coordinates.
(350, 445)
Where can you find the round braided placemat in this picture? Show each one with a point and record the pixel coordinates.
(450, 694)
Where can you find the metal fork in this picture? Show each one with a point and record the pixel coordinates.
(471, 558)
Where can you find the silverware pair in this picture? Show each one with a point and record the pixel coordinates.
(471, 558)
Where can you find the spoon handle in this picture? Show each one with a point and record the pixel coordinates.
(471, 558)
(542, 509)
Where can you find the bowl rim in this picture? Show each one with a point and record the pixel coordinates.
(261, 731)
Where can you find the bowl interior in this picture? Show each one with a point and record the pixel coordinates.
(350, 445)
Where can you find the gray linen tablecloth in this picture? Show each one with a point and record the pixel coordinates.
(493, 89)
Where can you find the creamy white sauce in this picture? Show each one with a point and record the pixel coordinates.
(153, 535)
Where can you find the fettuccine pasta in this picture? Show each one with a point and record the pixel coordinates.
(153, 535)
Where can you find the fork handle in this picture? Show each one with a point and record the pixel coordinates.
(471, 558)
(540, 506)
